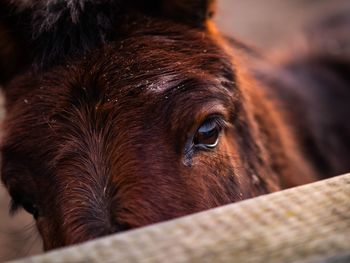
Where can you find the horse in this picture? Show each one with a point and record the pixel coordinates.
(121, 114)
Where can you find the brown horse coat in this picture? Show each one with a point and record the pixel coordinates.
(123, 114)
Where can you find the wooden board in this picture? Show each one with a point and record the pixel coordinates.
(307, 224)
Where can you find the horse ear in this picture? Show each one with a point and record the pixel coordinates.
(193, 12)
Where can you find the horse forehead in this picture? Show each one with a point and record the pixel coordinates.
(147, 56)
(162, 73)
(132, 70)
(147, 78)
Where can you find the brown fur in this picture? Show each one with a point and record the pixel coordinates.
(99, 143)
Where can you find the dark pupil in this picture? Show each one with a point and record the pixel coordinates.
(207, 134)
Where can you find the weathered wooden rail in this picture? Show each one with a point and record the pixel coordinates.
(306, 224)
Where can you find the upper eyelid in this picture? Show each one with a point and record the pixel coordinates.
(219, 119)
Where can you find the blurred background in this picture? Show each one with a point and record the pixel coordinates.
(270, 23)
(264, 24)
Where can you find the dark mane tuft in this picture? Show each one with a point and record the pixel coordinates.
(70, 27)
(54, 29)
(51, 30)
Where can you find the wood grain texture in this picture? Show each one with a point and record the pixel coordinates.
(310, 223)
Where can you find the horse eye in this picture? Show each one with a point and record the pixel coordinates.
(207, 135)
(31, 208)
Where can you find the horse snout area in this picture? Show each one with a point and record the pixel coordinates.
(121, 114)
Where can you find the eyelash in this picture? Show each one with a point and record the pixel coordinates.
(218, 120)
